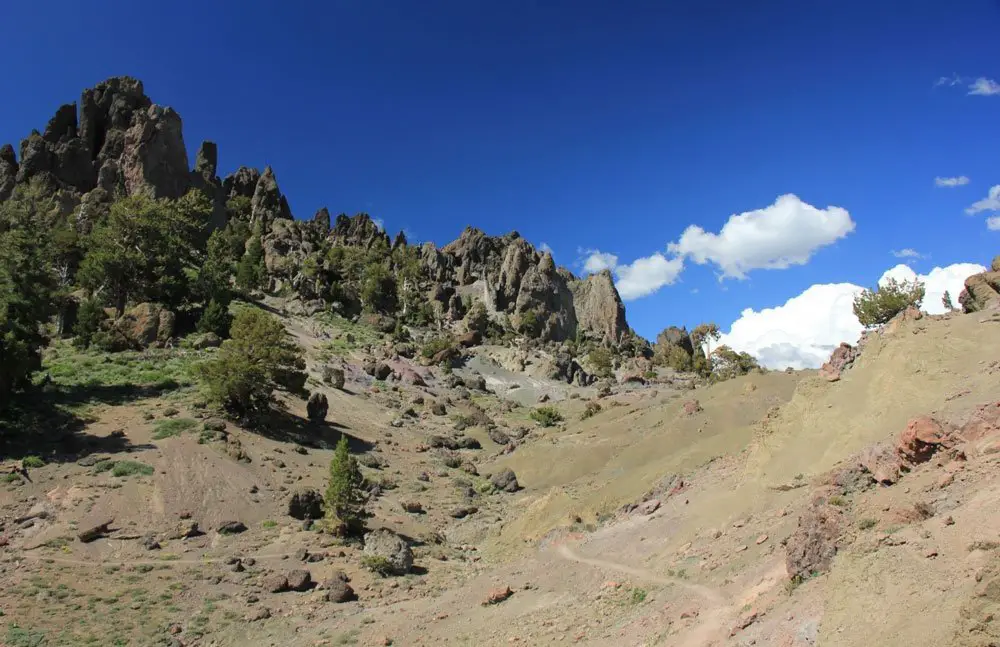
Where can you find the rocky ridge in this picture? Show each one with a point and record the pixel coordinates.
(116, 142)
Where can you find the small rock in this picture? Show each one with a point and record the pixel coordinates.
(274, 583)
(498, 595)
(413, 507)
(149, 542)
(260, 613)
(505, 480)
(464, 511)
(648, 507)
(761, 539)
(214, 424)
(95, 531)
(231, 528)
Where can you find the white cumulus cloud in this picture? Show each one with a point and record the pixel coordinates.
(802, 332)
(951, 182)
(990, 203)
(597, 260)
(645, 276)
(984, 87)
(783, 234)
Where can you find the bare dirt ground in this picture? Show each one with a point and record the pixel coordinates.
(700, 561)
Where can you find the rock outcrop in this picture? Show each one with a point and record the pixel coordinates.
(982, 291)
(117, 141)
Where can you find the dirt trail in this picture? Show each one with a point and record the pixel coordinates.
(711, 595)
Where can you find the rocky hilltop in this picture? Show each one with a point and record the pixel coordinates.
(116, 142)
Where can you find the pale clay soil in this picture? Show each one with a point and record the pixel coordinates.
(707, 567)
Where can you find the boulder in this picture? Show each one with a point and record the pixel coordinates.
(382, 371)
(299, 580)
(882, 463)
(214, 424)
(95, 531)
(231, 528)
(391, 547)
(505, 480)
(922, 438)
(146, 325)
(811, 548)
(317, 407)
(274, 583)
(982, 292)
(334, 376)
(475, 383)
(306, 504)
(206, 340)
(337, 590)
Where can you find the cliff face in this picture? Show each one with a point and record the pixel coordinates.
(115, 141)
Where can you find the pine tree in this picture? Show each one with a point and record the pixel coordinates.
(345, 500)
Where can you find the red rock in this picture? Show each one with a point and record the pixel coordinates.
(945, 480)
(882, 463)
(692, 407)
(498, 595)
(920, 440)
(745, 621)
(689, 613)
(761, 539)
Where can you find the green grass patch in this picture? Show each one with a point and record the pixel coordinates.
(32, 462)
(172, 427)
(124, 468)
(163, 369)
(21, 637)
(269, 523)
(867, 523)
(637, 596)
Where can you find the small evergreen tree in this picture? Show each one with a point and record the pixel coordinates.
(345, 499)
(250, 270)
(215, 318)
(89, 318)
(946, 302)
(878, 306)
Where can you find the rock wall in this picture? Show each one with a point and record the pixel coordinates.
(982, 291)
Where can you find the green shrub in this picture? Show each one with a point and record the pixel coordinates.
(637, 596)
(435, 345)
(878, 306)
(727, 363)
(592, 409)
(600, 359)
(32, 462)
(529, 324)
(546, 416)
(173, 427)
(256, 360)
(377, 564)
(131, 468)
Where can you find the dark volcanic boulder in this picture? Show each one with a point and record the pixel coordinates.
(306, 504)
(387, 545)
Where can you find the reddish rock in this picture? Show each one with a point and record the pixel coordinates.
(410, 376)
(921, 439)
(840, 360)
(882, 463)
(745, 621)
(692, 407)
(498, 595)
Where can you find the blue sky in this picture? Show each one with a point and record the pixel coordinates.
(584, 125)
